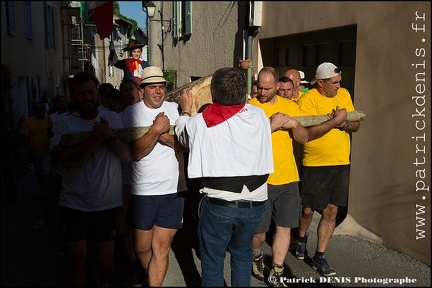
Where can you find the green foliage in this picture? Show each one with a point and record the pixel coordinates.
(171, 76)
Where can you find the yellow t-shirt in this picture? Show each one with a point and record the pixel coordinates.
(37, 132)
(334, 147)
(285, 168)
(295, 99)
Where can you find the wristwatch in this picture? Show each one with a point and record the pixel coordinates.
(346, 125)
(185, 113)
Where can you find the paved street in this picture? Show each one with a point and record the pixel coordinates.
(34, 258)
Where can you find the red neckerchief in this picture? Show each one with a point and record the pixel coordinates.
(215, 114)
(131, 65)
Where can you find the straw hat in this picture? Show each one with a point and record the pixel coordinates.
(152, 74)
(132, 45)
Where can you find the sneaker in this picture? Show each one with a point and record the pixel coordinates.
(274, 278)
(40, 224)
(300, 252)
(258, 266)
(322, 266)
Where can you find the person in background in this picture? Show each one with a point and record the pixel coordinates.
(132, 67)
(36, 135)
(283, 204)
(254, 90)
(129, 95)
(234, 184)
(158, 179)
(286, 87)
(48, 107)
(294, 75)
(92, 183)
(326, 161)
(112, 99)
(62, 109)
(103, 88)
(302, 87)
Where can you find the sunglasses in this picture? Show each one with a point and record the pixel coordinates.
(337, 70)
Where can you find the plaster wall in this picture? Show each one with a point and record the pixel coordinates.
(390, 170)
(31, 57)
(215, 42)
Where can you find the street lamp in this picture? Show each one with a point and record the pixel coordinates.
(151, 9)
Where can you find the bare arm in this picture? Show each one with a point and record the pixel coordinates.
(71, 157)
(102, 134)
(143, 146)
(185, 101)
(172, 141)
(281, 121)
(120, 148)
(336, 120)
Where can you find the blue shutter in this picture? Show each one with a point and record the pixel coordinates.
(55, 28)
(188, 17)
(11, 26)
(28, 20)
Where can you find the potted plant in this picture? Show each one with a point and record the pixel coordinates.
(244, 64)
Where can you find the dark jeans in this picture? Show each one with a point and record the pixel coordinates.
(222, 229)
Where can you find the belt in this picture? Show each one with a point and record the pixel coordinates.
(235, 204)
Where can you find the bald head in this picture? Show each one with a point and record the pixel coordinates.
(294, 75)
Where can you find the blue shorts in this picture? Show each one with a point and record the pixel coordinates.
(324, 185)
(164, 211)
(96, 226)
(283, 205)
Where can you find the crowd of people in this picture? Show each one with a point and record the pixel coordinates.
(129, 195)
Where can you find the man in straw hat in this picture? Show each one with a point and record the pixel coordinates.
(132, 67)
(155, 207)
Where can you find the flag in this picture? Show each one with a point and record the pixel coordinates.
(101, 13)
(84, 13)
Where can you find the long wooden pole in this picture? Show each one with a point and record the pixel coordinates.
(135, 133)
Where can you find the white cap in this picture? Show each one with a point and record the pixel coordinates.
(302, 77)
(325, 70)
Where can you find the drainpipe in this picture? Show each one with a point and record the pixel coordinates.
(255, 11)
(249, 56)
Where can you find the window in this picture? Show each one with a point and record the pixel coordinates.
(306, 51)
(28, 20)
(10, 15)
(182, 19)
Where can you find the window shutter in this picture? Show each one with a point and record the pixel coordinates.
(28, 20)
(11, 26)
(188, 17)
(55, 28)
(176, 23)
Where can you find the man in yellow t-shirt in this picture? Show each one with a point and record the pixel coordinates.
(36, 137)
(283, 203)
(326, 160)
(295, 76)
